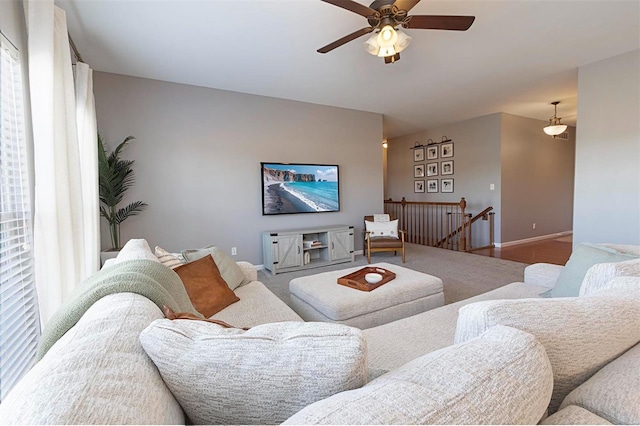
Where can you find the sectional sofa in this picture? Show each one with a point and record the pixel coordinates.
(507, 356)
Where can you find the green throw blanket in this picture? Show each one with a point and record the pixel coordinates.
(150, 279)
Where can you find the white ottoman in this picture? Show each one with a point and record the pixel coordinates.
(320, 298)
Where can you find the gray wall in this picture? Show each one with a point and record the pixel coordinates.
(607, 185)
(537, 179)
(532, 174)
(476, 162)
(198, 154)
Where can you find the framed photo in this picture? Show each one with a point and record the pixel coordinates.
(446, 150)
(446, 167)
(432, 153)
(418, 186)
(418, 170)
(432, 169)
(418, 154)
(447, 185)
(432, 185)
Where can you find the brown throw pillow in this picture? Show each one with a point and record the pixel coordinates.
(207, 290)
(169, 314)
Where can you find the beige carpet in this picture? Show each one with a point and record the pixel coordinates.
(464, 275)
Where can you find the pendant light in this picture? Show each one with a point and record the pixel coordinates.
(555, 127)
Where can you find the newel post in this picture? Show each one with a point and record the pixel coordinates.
(403, 203)
(463, 238)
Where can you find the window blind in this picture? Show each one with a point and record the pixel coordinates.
(19, 320)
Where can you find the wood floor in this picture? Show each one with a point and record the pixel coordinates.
(555, 251)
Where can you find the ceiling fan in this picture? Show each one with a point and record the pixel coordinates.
(384, 16)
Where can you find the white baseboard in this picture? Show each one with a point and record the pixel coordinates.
(259, 267)
(533, 239)
(358, 252)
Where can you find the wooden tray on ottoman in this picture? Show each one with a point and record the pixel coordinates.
(356, 279)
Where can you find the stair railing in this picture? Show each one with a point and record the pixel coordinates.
(438, 224)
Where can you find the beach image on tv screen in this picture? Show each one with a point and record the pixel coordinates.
(299, 188)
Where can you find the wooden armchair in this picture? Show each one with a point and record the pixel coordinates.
(380, 244)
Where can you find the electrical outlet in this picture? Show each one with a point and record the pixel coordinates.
(234, 251)
(492, 187)
(534, 225)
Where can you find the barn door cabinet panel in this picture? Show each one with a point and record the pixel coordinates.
(297, 249)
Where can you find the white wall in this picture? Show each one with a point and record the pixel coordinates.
(607, 183)
(198, 154)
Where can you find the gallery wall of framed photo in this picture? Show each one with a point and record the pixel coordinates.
(433, 167)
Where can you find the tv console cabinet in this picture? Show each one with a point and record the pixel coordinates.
(297, 249)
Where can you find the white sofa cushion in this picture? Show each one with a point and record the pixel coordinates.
(581, 334)
(613, 393)
(584, 256)
(396, 343)
(573, 415)
(504, 377)
(542, 274)
(249, 271)
(97, 373)
(260, 376)
(598, 277)
(257, 305)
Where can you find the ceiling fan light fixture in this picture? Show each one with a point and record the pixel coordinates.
(371, 45)
(555, 127)
(387, 36)
(387, 51)
(392, 59)
(403, 41)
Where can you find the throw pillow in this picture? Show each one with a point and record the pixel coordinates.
(169, 314)
(167, 259)
(584, 256)
(382, 229)
(260, 376)
(229, 269)
(580, 334)
(207, 290)
(504, 377)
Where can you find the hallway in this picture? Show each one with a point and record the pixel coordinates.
(553, 250)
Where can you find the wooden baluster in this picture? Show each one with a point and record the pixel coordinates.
(447, 242)
(469, 215)
(403, 219)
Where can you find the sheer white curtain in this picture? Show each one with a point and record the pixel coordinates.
(60, 236)
(88, 149)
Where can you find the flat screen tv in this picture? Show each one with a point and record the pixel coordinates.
(289, 188)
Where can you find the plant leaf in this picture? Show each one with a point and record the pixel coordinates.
(132, 209)
(115, 177)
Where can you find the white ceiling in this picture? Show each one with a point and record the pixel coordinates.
(517, 57)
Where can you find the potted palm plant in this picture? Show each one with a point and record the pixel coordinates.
(115, 178)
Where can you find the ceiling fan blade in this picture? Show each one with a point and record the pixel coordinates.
(406, 4)
(352, 6)
(440, 22)
(345, 39)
